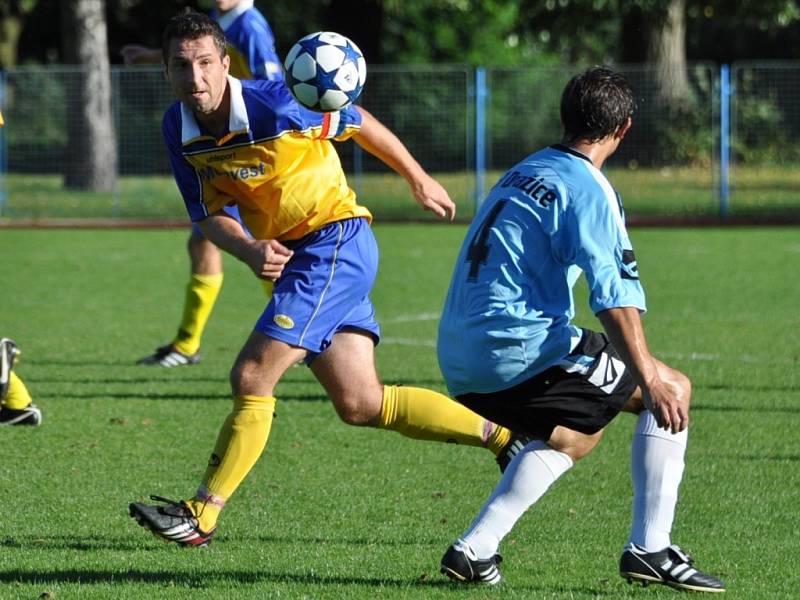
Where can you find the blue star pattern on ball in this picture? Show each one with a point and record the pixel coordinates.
(311, 44)
(351, 54)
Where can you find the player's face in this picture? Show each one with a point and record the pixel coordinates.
(197, 73)
(224, 6)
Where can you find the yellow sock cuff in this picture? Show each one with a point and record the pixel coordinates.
(214, 280)
(266, 403)
(17, 396)
(388, 407)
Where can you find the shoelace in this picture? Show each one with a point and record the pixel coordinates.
(685, 557)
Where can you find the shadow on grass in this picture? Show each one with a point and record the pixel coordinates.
(132, 380)
(180, 579)
(192, 580)
(139, 395)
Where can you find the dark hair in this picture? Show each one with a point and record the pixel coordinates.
(192, 26)
(595, 104)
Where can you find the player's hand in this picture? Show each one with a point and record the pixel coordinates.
(670, 411)
(430, 195)
(134, 54)
(267, 258)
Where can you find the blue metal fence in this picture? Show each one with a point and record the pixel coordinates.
(730, 151)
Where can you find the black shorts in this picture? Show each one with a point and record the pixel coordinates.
(584, 399)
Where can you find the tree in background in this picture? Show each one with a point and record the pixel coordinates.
(91, 153)
(13, 14)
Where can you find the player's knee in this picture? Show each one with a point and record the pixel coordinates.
(682, 385)
(244, 377)
(357, 409)
(572, 443)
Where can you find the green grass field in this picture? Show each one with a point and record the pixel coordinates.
(756, 192)
(333, 511)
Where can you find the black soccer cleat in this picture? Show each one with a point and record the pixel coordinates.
(30, 415)
(517, 442)
(173, 522)
(168, 356)
(8, 354)
(459, 563)
(670, 566)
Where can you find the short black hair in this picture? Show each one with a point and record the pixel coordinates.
(595, 104)
(192, 25)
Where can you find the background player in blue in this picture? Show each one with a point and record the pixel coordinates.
(251, 48)
(509, 351)
(249, 143)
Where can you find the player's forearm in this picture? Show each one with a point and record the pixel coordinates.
(227, 234)
(624, 328)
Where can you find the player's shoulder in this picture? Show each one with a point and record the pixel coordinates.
(273, 110)
(575, 170)
(268, 95)
(252, 18)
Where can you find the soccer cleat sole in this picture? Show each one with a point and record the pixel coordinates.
(164, 536)
(646, 580)
(452, 574)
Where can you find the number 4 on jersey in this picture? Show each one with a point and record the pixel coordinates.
(479, 248)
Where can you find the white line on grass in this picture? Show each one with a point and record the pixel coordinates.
(412, 318)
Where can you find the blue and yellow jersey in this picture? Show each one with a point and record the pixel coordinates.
(277, 163)
(251, 44)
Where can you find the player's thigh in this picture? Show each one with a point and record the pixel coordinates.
(346, 369)
(574, 443)
(261, 364)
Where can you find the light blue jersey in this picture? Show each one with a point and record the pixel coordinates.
(509, 308)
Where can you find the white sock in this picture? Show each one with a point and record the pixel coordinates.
(526, 479)
(656, 469)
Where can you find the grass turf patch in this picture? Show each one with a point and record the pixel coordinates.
(332, 511)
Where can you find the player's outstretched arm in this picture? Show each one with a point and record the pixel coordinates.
(379, 141)
(135, 54)
(266, 258)
(624, 329)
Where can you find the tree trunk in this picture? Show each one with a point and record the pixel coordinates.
(666, 49)
(91, 155)
(10, 30)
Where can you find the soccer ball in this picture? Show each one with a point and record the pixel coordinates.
(325, 71)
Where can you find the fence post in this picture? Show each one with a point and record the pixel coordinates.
(116, 93)
(480, 134)
(724, 139)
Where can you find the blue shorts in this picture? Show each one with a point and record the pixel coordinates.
(325, 288)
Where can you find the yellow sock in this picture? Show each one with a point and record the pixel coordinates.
(17, 396)
(267, 285)
(240, 442)
(201, 294)
(427, 415)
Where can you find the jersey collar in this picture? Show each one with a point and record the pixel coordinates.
(226, 20)
(572, 151)
(238, 122)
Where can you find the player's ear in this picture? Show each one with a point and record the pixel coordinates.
(623, 129)
(226, 61)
